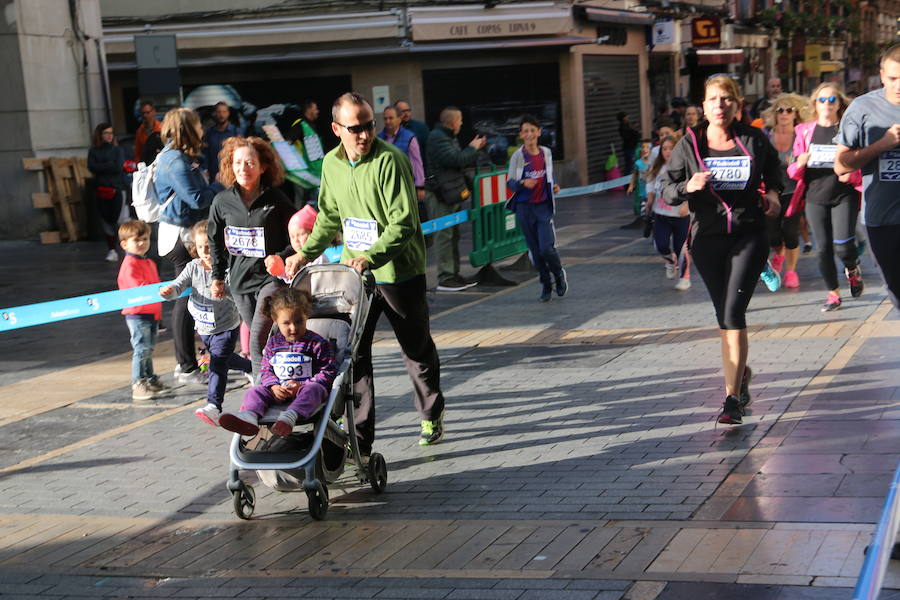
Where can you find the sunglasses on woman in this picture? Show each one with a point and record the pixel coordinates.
(784, 109)
(828, 99)
(357, 129)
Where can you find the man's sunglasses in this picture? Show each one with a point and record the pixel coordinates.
(828, 99)
(357, 129)
(784, 109)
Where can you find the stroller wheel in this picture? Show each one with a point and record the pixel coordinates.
(318, 502)
(244, 501)
(377, 472)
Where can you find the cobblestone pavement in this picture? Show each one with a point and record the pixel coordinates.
(581, 458)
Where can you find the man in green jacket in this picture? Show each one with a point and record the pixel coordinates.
(445, 162)
(367, 192)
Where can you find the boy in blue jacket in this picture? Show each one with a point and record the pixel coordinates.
(530, 179)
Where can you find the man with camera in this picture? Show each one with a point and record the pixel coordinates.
(447, 190)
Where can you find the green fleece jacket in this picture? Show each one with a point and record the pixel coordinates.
(378, 188)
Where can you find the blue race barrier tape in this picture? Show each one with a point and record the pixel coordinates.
(29, 315)
(445, 222)
(597, 187)
(41, 313)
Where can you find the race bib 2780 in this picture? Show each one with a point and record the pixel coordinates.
(729, 172)
(821, 156)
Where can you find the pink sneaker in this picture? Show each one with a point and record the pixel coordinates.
(777, 263)
(790, 279)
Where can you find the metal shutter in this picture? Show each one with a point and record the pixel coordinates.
(611, 84)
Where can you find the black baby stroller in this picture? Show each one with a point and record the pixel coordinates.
(318, 449)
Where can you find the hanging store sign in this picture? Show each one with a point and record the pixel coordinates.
(663, 32)
(449, 24)
(706, 31)
(812, 60)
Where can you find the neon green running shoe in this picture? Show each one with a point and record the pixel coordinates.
(432, 431)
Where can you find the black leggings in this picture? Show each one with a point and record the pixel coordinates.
(784, 231)
(834, 228)
(182, 321)
(885, 242)
(730, 266)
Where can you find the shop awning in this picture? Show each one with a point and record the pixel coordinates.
(448, 23)
(619, 17)
(283, 31)
(719, 56)
(830, 66)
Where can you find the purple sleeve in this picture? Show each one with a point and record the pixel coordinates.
(324, 361)
(266, 372)
(415, 157)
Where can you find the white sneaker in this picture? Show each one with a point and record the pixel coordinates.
(196, 376)
(209, 414)
(671, 270)
(139, 390)
(683, 284)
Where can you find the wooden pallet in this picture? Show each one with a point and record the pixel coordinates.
(65, 179)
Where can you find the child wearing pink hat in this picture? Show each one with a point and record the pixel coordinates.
(300, 226)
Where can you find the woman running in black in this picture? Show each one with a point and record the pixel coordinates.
(717, 168)
(832, 202)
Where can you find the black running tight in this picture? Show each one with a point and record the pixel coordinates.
(834, 228)
(730, 266)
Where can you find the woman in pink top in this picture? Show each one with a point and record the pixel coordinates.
(832, 202)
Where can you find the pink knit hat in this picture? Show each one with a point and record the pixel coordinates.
(305, 218)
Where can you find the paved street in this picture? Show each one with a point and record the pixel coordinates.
(581, 460)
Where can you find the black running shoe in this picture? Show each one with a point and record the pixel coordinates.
(546, 292)
(744, 398)
(731, 411)
(854, 276)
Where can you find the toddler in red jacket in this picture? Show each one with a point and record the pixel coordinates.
(143, 321)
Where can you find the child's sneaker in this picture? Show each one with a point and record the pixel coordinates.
(432, 431)
(771, 277)
(285, 423)
(140, 391)
(683, 284)
(209, 414)
(671, 270)
(243, 422)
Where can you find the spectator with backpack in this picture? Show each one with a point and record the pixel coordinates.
(179, 179)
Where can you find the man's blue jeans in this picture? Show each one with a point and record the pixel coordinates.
(143, 329)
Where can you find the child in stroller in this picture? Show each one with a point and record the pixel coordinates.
(297, 368)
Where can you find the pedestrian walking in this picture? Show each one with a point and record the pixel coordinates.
(406, 140)
(447, 190)
(868, 139)
(106, 161)
(419, 128)
(149, 125)
(630, 138)
(179, 176)
(831, 203)
(306, 140)
(368, 191)
(718, 169)
(248, 228)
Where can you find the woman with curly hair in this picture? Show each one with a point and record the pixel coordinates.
(786, 112)
(248, 226)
